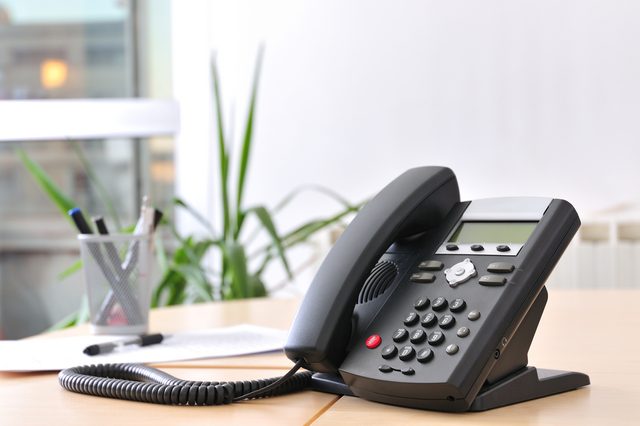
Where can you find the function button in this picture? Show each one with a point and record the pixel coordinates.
(451, 247)
(425, 355)
(474, 315)
(492, 280)
(477, 247)
(452, 349)
(457, 305)
(429, 320)
(389, 351)
(411, 319)
(503, 248)
(400, 334)
(407, 353)
(418, 336)
(447, 321)
(408, 371)
(431, 265)
(439, 304)
(436, 338)
(385, 369)
(463, 332)
(422, 277)
(421, 303)
(500, 267)
(373, 341)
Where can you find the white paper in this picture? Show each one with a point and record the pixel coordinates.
(64, 352)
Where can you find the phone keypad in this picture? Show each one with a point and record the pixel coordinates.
(434, 338)
(437, 326)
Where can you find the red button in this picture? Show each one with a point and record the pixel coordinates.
(373, 341)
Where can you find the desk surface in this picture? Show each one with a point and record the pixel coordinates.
(595, 332)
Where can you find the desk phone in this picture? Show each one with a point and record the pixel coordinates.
(424, 301)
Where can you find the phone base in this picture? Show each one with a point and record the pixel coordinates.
(524, 385)
(527, 384)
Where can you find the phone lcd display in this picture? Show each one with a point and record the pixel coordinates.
(493, 232)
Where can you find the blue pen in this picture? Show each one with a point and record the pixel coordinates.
(78, 219)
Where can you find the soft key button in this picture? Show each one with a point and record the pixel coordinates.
(460, 272)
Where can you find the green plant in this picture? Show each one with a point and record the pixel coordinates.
(186, 276)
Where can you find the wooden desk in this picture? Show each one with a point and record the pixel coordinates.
(595, 332)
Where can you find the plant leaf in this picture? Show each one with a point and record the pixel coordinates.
(237, 261)
(52, 190)
(246, 143)
(203, 221)
(75, 267)
(267, 222)
(256, 287)
(223, 153)
(103, 194)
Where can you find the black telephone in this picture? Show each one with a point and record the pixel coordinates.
(424, 302)
(429, 302)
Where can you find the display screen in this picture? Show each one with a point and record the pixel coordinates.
(493, 232)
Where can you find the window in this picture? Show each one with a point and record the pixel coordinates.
(69, 73)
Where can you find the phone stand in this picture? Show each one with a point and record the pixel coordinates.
(510, 381)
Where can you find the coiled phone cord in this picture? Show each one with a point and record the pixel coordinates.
(136, 382)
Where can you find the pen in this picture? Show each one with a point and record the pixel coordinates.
(142, 340)
(78, 219)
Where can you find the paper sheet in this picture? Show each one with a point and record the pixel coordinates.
(64, 352)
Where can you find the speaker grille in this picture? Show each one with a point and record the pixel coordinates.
(378, 281)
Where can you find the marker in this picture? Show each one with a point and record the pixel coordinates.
(78, 219)
(105, 348)
(101, 225)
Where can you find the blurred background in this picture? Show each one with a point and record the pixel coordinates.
(518, 98)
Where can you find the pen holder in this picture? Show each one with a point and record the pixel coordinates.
(117, 275)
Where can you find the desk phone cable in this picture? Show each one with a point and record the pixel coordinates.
(137, 382)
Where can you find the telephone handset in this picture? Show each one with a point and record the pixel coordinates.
(424, 301)
(429, 302)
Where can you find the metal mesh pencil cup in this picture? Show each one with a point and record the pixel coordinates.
(117, 276)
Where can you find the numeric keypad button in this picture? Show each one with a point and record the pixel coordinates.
(424, 355)
(389, 351)
(411, 319)
(400, 335)
(418, 336)
(436, 338)
(439, 304)
(421, 303)
(447, 321)
(407, 353)
(429, 320)
(457, 305)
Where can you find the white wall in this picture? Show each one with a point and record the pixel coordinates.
(519, 98)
